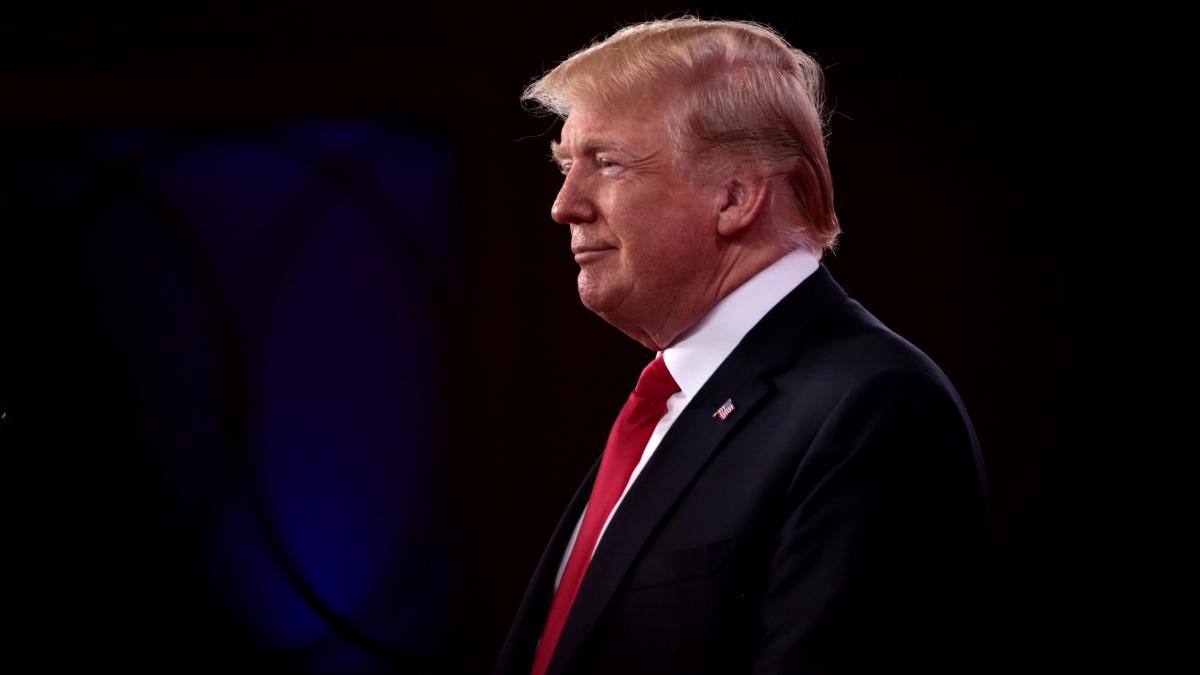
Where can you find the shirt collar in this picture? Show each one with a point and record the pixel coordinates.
(703, 347)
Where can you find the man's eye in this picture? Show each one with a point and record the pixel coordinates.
(605, 163)
(564, 168)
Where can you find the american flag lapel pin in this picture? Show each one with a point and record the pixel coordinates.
(725, 410)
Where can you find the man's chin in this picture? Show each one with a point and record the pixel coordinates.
(594, 294)
(592, 299)
(605, 303)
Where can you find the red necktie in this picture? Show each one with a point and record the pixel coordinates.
(626, 441)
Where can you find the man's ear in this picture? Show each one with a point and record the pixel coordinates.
(742, 201)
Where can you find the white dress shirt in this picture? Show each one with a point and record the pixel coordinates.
(695, 356)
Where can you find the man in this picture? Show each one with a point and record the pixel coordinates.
(791, 487)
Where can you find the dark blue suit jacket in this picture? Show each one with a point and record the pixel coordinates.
(836, 522)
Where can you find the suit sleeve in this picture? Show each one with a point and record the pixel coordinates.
(881, 559)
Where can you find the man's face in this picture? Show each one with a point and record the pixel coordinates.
(643, 235)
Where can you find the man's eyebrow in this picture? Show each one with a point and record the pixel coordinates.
(588, 147)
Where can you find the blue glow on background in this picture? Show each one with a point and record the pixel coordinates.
(269, 295)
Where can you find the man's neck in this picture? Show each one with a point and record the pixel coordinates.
(666, 328)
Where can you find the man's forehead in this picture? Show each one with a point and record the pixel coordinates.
(588, 130)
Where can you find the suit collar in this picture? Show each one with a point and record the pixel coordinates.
(743, 378)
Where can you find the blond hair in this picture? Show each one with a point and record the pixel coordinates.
(746, 99)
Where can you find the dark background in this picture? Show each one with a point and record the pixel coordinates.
(292, 370)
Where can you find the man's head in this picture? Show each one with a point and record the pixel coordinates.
(693, 154)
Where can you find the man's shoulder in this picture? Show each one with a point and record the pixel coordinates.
(850, 346)
(852, 370)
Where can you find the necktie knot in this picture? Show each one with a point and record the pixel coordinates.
(656, 381)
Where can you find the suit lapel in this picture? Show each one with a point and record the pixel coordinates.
(686, 448)
(517, 653)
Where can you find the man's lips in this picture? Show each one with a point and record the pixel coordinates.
(588, 253)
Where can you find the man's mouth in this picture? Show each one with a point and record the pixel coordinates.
(586, 254)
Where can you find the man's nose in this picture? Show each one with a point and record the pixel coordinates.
(573, 204)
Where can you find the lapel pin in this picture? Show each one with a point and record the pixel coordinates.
(725, 410)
